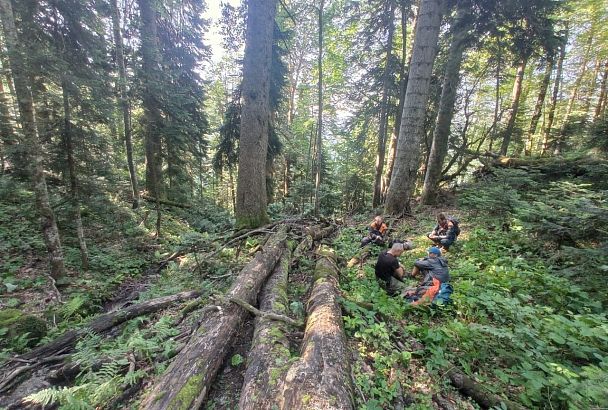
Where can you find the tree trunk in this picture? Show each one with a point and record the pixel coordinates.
(392, 150)
(540, 101)
(441, 133)
(382, 132)
(186, 382)
(7, 130)
(411, 133)
(321, 377)
(102, 323)
(319, 144)
(75, 198)
(152, 83)
(268, 358)
(601, 101)
(515, 98)
(554, 95)
(255, 115)
(124, 100)
(31, 139)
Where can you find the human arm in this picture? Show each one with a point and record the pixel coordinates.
(423, 263)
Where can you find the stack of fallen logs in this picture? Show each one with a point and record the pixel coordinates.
(319, 378)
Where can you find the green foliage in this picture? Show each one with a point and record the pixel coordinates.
(236, 360)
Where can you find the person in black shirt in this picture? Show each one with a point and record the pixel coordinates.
(388, 269)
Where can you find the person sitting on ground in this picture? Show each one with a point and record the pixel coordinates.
(434, 271)
(445, 232)
(388, 269)
(377, 230)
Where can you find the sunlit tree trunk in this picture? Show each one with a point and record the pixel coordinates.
(601, 101)
(556, 86)
(255, 115)
(382, 132)
(7, 130)
(31, 139)
(407, 158)
(319, 143)
(124, 100)
(151, 78)
(441, 133)
(591, 89)
(74, 192)
(538, 107)
(515, 99)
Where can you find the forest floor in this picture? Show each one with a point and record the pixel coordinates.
(527, 324)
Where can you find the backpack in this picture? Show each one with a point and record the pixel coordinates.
(443, 296)
(456, 225)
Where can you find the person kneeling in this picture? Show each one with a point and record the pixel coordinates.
(388, 269)
(445, 232)
(435, 275)
(377, 230)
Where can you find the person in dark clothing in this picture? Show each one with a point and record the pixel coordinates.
(377, 230)
(434, 272)
(388, 269)
(445, 232)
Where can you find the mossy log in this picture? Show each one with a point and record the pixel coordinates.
(319, 231)
(321, 377)
(474, 390)
(268, 358)
(186, 382)
(68, 340)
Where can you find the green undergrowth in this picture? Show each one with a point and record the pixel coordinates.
(528, 322)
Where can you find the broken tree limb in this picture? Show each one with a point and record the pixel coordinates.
(266, 315)
(102, 323)
(474, 390)
(186, 382)
(268, 358)
(319, 231)
(321, 377)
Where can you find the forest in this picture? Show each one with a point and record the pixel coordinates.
(187, 188)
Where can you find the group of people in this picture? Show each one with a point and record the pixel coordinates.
(434, 284)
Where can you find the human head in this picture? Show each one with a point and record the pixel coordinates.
(378, 220)
(434, 252)
(397, 249)
(441, 218)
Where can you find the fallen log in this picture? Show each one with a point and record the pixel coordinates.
(20, 365)
(186, 382)
(321, 377)
(319, 231)
(268, 359)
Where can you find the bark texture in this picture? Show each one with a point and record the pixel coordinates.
(538, 107)
(407, 158)
(150, 51)
(319, 143)
(441, 133)
(321, 377)
(31, 140)
(268, 359)
(186, 382)
(124, 100)
(515, 99)
(255, 115)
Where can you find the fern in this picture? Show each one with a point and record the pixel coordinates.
(67, 397)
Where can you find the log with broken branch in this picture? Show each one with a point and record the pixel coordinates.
(21, 365)
(321, 377)
(268, 358)
(187, 380)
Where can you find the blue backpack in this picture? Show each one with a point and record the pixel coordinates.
(443, 296)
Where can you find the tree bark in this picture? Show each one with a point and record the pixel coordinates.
(441, 133)
(124, 100)
(269, 356)
(556, 86)
(75, 197)
(601, 101)
(319, 231)
(382, 132)
(186, 382)
(540, 101)
(392, 150)
(7, 130)
(321, 377)
(255, 115)
(411, 133)
(319, 145)
(31, 139)
(515, 98)
(150, 51)
(102, 323)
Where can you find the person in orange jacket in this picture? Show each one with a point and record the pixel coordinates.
(377, 231)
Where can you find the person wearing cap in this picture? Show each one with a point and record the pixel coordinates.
(377, 230)
(388, 269)
(434, 272)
